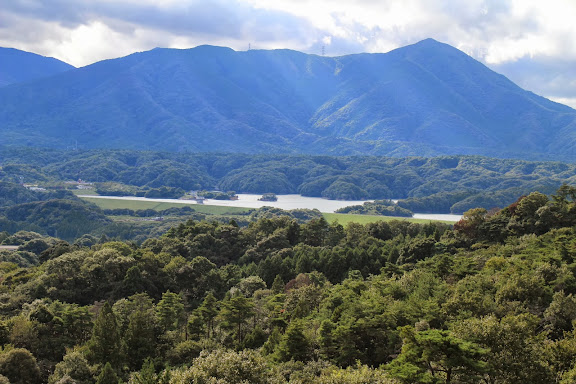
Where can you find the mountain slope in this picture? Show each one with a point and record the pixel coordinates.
(427, 98)
(19, 66)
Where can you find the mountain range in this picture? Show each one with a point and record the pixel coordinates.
(424, 99)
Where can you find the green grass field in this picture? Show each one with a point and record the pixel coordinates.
(344, 218)
(84, 191)
(159, 206)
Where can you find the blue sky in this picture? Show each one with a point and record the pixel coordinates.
(533, 42)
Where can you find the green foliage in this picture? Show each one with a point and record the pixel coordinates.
(235, 313)
(104, 345)
(294, 344)
(208, 311)
(19, 366)
(66, 219)
(141, 336)
(278, 285)
(147, 374)
(75, 366)
(435, 356)
(227, 367)
(378, 207)
(14, 194)
(107, 375)
(427, 185)
(170, 310)
(360, 374)
(515, 349)
(428, 302)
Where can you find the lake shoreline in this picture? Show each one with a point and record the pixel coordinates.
(287, 202)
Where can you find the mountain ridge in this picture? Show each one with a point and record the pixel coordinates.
(427, 98)
(17, 66)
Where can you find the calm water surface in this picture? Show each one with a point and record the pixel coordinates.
(284, 201)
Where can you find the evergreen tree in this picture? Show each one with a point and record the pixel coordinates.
(107, 375)
(195, 327)
(147, 374)
(327, 342)
(104, 345)
(436, 356)
(170, 310)
(141, 337)
(235, 312)
(208, 310)
(278, 285)
(294, 344)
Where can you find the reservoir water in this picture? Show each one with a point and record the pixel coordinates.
(284, 202)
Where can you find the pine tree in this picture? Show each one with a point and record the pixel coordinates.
(294, 344)
(170, 310)
(235, 312)
(195, 327)
(278, 285)
(104, 345)
(327, 342)
(208, 310)
(141, 338)
(107, 375)
(147, 374)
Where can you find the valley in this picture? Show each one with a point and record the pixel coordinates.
(396, 218)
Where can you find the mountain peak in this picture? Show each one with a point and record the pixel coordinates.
(431, 44)
(21, 66)
(429, 41)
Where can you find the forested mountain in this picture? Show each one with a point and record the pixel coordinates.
(19, 66)
(427, 98)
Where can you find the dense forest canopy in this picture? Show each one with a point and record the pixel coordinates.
(491, 300)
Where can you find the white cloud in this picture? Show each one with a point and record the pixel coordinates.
(569, 101)
(505, 34)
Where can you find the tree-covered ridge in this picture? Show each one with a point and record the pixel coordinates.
(491, 300)
(378, 207)
(442, 184)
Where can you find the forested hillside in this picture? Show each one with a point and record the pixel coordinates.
(426, 99)
(490, 300)
(20, 66)
(442, 184)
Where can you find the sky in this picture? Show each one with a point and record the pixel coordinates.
(532, 42)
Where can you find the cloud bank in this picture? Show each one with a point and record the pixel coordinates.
(529, 41)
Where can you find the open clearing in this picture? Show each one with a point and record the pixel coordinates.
(159, 206)
(344, 218)
(221, 210)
